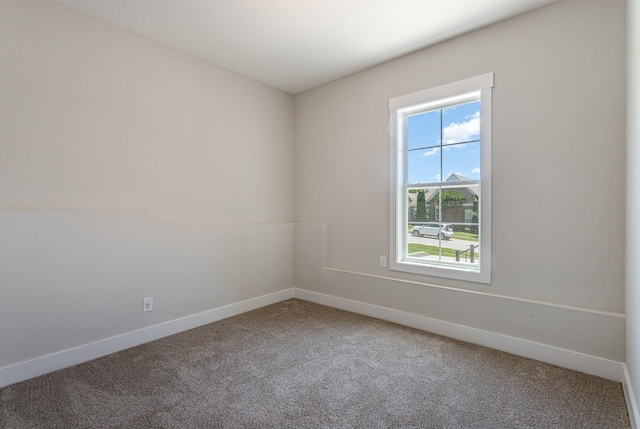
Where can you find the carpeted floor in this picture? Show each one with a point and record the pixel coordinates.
(300, 365)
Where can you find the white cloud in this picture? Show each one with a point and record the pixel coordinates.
(432, 152)
(476, 171)
(462, 131)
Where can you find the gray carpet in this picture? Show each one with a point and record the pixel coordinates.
(300, 365)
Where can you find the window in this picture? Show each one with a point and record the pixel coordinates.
(468, 218)
(441, 180)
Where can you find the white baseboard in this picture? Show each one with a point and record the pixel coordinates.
(630, 397)
(53, 362)
(565, 358)
(600, 367)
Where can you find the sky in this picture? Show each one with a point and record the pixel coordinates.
(460, 149)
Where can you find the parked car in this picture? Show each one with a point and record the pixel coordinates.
(445, 231)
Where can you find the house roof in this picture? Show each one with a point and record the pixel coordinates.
(473, 187)
(457, 178)
(430, 192)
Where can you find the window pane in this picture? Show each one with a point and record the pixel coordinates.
(436, 163)
(417, 205)
(454, 201)
(423, 130)
(423, 165)
(455, 238)
(461, 160)
(461, 123)
(459, 208)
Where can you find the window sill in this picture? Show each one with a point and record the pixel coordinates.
(444, 271)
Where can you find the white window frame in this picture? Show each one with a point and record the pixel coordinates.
(399, 109)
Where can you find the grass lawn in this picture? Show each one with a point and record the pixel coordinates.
(433, 250)
(465, 236)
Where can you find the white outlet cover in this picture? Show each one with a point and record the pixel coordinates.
(147, 305)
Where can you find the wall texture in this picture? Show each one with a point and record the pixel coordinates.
(94, 116)
(633, 198)
(130, 170)
(558, 180)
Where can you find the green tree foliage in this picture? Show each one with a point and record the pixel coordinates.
(474, 218)
(421, 209)
(452, 198)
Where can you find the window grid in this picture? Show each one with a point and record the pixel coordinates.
(461, 212)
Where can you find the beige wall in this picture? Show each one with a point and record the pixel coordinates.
(110, 145)
(558, 179)
(130, 170)
(633, 198)
(94, 116)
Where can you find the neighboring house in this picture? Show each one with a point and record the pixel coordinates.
(413, 204)
(461, 212)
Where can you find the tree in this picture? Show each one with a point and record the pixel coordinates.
(452, 198)
(474, 217)
(421, 209)
(449, 200)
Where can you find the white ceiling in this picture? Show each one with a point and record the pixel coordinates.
(295, 45)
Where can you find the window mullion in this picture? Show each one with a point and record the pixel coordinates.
(468, 164)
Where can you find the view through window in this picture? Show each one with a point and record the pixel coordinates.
(443, 183)
(441, 195)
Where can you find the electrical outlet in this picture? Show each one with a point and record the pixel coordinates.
(383, 261)
(147, 305)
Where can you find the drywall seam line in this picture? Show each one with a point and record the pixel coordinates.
(148, 216)
(455, 289)
(491, 295)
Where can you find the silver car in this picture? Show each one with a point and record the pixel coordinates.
(445, 231)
